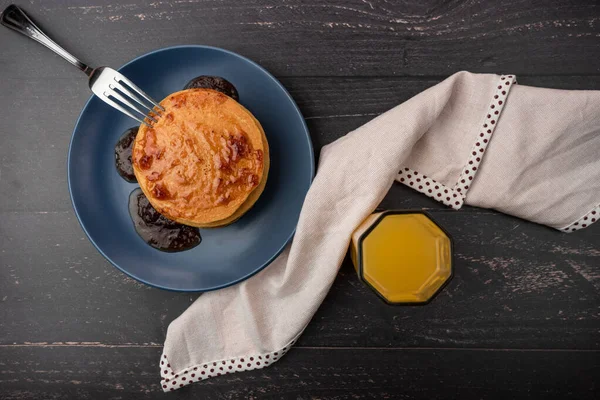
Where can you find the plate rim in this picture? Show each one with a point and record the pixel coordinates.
(284, 244)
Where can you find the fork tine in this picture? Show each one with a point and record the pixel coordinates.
(114, 104)
(112, 92)
(138, 90)
(123, 89)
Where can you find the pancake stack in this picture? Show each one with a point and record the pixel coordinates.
(205, 162)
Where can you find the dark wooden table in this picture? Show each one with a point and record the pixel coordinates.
(520, 319)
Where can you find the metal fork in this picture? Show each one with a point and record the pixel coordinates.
(106, 83)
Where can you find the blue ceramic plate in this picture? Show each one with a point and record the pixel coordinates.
(226, 255)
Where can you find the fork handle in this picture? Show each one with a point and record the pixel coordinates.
(15, 18)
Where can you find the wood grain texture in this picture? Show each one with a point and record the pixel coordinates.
(520, 319)
(503, 295)
(34, 372)
(337, 37)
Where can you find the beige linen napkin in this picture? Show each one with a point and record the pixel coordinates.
(478, 139)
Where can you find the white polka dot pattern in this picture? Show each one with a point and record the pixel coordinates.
(584, 221)
(172, 380)
(454, 197)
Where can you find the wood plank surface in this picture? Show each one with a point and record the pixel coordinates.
(333, 38)
(521, 317)
(90, 372)
(57, 288)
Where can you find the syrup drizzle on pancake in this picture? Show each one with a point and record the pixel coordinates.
(125, 142)
(202, 159)
(154, 228)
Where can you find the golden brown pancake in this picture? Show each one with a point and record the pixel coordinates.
(205, 162)
(252, 198)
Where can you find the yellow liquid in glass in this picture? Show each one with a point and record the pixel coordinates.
(406, 258)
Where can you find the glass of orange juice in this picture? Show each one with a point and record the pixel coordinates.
(404, 256)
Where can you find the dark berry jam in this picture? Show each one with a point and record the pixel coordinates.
(157, 230)
(123, 155)
(215, 83)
